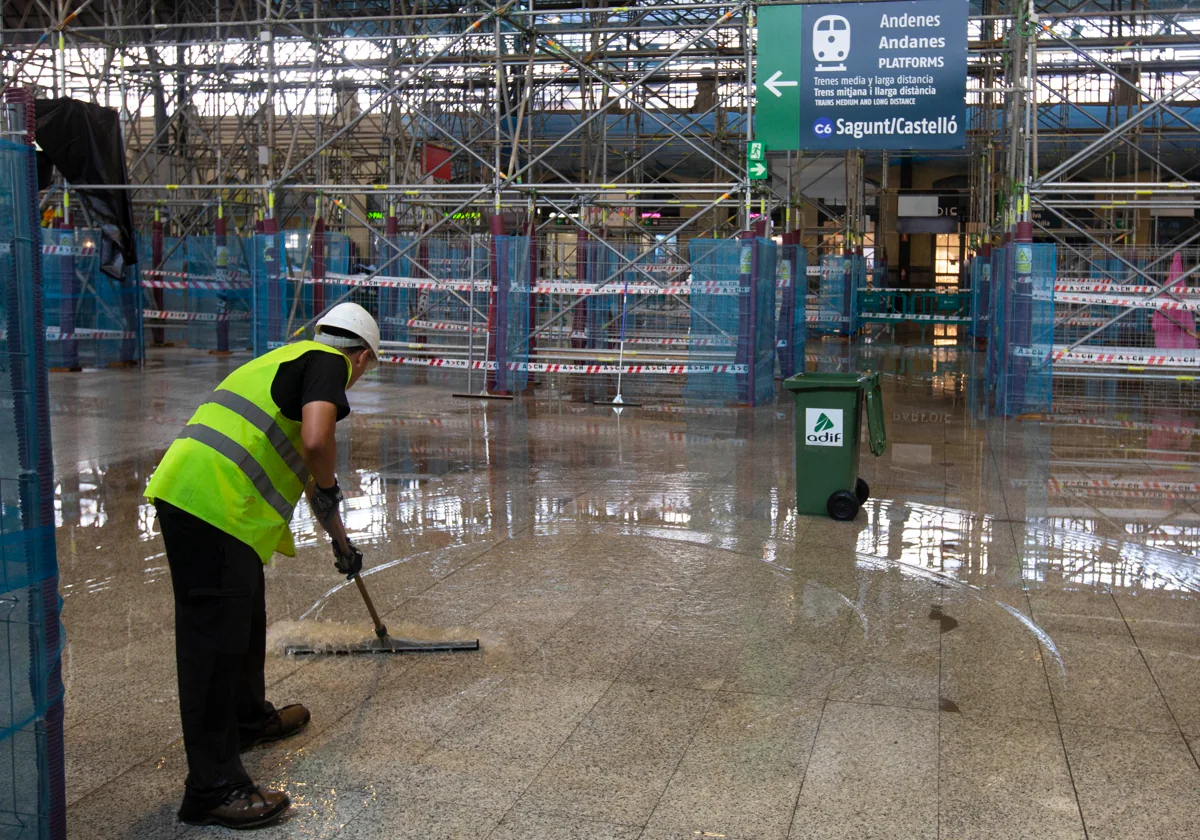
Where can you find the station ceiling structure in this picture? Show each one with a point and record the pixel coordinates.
(1081, 116)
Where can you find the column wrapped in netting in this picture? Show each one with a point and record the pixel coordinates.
(715, 314)
(1001, 264)
(198, 290)
(981, 292)
(835, 296)
(517, 252)
(509, 331)
(92, 319)
(397, 304)
(450, 312)
(856, 281)
(791, 328)
(1025, 384)
(218, 293)
(328, 259)
(273, 297)
(761, 306)
(32, 780)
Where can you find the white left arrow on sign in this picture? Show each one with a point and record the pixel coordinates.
(773, 84)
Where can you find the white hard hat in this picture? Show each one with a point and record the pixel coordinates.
(349, 318)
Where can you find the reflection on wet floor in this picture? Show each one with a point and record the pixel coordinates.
(675, 652)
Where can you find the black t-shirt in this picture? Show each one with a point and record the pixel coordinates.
(317, 376)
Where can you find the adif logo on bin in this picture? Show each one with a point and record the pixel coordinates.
(823, 426)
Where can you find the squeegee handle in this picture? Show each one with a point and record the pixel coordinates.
(380, 629)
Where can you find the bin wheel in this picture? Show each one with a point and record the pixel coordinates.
(862, 490)
(842, 506)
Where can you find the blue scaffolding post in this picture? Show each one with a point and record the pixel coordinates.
(32, 776)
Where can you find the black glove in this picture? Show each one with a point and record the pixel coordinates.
(325, 501)
(348, 564)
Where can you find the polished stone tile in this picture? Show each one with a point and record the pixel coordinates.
(796, 648)
(140, 802)
(897, 663)
(394, 815)
(616, 765)
(499, 749)
(1107, 683)
(873, 774)
(742, 771)
(698, 644)
(397, 726)
(1106, 680)
(105, 746)
(599, 640)
(521, 825)
(994, 665)
(1006, 779)
(1134, 784)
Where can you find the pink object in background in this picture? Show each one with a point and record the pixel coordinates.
(1174, 330)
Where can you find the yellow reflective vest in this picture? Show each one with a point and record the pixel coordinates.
(237, 463)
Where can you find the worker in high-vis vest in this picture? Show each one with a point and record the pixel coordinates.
(224, 493)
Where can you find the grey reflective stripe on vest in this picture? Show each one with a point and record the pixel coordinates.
(244, 461)
(266, 424)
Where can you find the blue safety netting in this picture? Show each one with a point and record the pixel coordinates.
(218, 289)
(996, 312)
(791, 326)
(447, 313)
(92, 320)
(732, 300)
(716, 267)
(32, 779)
(199, 294)
(511, 331)
(837, 296)
(272, 295)
(980, 274)
(397, 306)
(1025, 382)
(762, 315)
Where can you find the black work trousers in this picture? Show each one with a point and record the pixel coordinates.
(220, 649)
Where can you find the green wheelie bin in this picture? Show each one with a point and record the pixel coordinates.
(829, 409)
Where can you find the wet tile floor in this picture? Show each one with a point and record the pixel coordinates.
(1005, 643)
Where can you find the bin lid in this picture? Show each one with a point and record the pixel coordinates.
(828, 381)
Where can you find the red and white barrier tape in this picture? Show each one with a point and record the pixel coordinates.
(1085, 285)
(68, 250)
(1124, 484)
(576, 289)
(1120, 356)
(83, 334)
(1130, 301)
(900, 316)
(223, 274)
(547, 367)
(1078, 420)
(174, 315)
(399, 283)
(201, 285)
(448, 326)
(57, 250)
(640, 289)
(544, 367)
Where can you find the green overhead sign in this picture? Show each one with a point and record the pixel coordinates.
(777, 116)
(880, 75)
